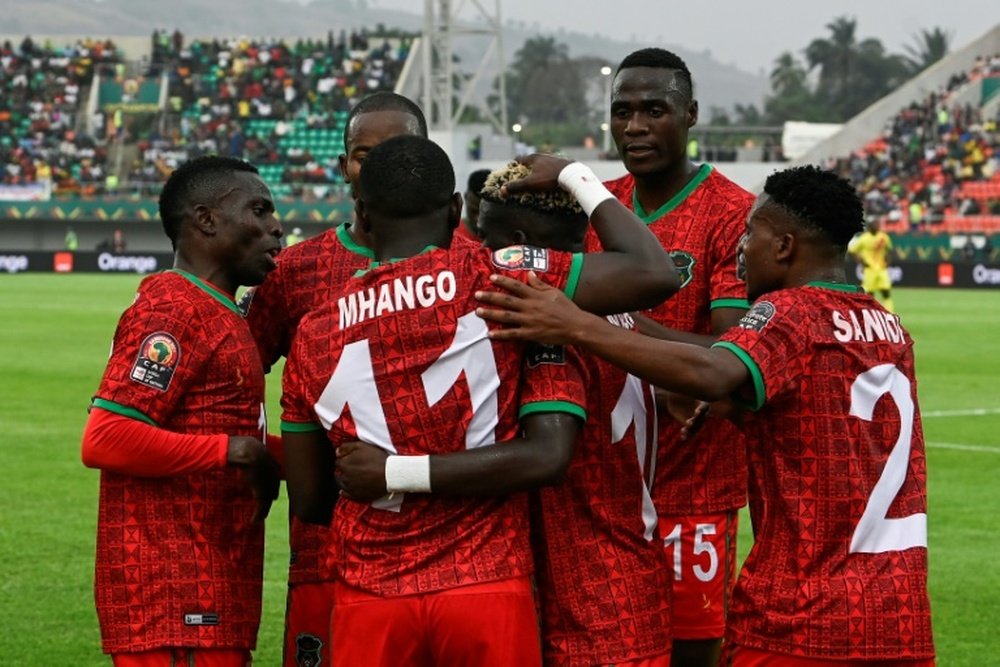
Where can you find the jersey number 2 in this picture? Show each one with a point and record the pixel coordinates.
(875, 532)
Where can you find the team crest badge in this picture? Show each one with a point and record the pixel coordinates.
(522, 257)
(307, 650)
(684, 263)
(758, 316)
(158, 357)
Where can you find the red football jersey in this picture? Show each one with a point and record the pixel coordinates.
(839, 566)
(700, 227)
(400, 359)
(179, 562)
(308, 275)
(602, 574)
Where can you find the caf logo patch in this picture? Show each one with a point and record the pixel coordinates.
(758, 316)
(537, 354)
(684, 263)
(522, 257)
(157, 359)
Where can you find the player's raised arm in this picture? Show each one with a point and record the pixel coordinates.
(634, 271)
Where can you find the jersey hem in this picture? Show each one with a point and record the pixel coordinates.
(300, 427)
(552, 406)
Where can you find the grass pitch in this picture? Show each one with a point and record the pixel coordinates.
(54, 343)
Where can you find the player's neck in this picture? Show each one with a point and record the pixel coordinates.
(816, 273)
(401, 244)
(358, 235)
(656, 189)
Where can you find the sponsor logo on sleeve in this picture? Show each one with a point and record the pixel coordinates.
(758, 316)
(157, 360)
(201, 619)
(537, 354)
(522, 257)
(684, 263)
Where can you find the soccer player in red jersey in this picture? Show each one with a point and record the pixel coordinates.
(601, 573)
(177, 429)
(308, 274)
(698, 215)
(838, 570)
(399, 360)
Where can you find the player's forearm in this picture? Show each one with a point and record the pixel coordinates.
(679, 367)
(120, 444)
(539, 458)
(634, 271)
(500, 469)
(648, 327)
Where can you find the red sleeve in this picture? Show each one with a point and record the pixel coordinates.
(554, 380)
(727, 288)
(120, 444)
(559, 269)
(769, 341)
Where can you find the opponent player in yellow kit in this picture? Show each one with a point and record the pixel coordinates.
(871, 247)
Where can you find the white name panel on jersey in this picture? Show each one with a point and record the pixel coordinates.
(868, 327)
(404, 293)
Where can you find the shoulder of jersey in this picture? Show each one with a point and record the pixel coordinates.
(323, 242)
(728, 187)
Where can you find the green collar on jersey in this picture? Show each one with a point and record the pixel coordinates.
(346, 240)
(222, 298)
(392, 260)
(674, 201)
(840, 287)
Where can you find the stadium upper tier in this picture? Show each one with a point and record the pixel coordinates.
(82, 121)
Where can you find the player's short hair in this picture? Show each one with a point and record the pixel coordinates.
(406, 176)
(477, 180)
(819, 199)
(385, 101)
(660, 59)
(195, 181)
(555, 201)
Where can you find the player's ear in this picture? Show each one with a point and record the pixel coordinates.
(693, 113)
(455, 210)
(784, 246)
(518, 237)
(342, 161)
(204, 219)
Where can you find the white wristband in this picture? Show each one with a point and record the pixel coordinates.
(580, 181)
(408, 474)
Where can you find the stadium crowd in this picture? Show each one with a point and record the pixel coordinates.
(936, 159)
(41, 88)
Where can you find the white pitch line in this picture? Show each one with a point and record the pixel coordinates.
(964, 448)
(971, 412)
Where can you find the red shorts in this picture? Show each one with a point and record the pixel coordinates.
(184, 657)
(307, 624)
(481, 625)
(740, 656)
(702, 549)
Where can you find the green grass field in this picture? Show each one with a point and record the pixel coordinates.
(54, 341)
